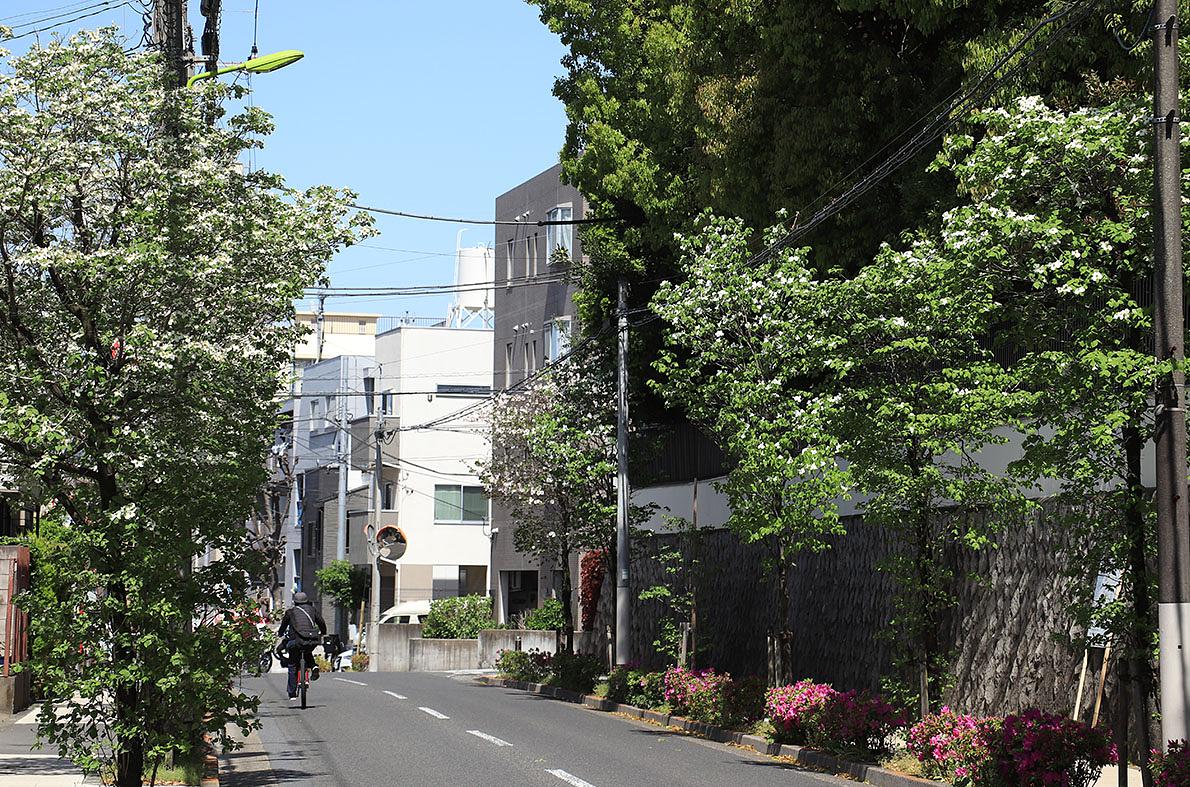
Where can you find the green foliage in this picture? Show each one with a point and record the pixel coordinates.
(347, 584)
(531, 666)
(575, 671)
(462, 617)
(638, 688)
(149, 312)
(548, 617)
(680, 566)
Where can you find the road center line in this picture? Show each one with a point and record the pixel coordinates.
(433, 713)
(353, 682)
(394, 695)
(569, 778)
(489, 738)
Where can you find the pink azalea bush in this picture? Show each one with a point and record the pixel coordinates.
(1171, 768)
(1038, 749)
(809, 712)
(712, 697)
(952, 746)
(792, 708)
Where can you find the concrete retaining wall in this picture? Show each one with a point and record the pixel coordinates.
(14, 693)
(441, 655)
(388, 646)
(492, 641)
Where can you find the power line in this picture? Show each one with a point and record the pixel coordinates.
(83, 7)
(984, 86)
(105, 9)
(436, 289)
(485, 222)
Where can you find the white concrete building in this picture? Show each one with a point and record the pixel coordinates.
(424, 376)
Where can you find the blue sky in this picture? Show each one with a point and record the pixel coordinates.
(418, 106)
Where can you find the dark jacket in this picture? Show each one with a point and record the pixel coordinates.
(296, 624)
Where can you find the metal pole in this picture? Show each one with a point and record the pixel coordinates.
(1173, 527)
(623, 553)
(168, 32)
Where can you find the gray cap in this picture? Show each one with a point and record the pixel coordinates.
(300, 597)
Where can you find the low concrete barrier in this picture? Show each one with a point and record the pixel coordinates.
(442, 655)
(492, 641)
(388, 646)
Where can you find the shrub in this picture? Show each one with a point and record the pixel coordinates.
(1037, 749)
(856, 719)
(1171, 768)
(575, 672)
(711, 697)
(548, 617)
(950, 745)
(791, 709)
(359, 662)
(457, 618)
(531, 666)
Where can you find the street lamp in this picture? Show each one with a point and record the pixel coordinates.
(257, 65)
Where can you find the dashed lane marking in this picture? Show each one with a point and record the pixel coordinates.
(352, 682)
(489, 738)
(569, 778)
(396, 696)
(433, 713)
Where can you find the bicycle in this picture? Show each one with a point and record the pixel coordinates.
(303, 676)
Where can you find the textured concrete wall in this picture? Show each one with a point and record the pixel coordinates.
(441, 655)
(14, 693)
(1002, 633)
(388, 644)
(492, 641)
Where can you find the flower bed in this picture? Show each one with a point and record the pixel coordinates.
(1030, 749)
(572, 671)
(713, 698)
(815, 713)
(1172, 768)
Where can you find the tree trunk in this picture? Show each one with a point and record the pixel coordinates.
(922, 636)
(567, 592)
(130, 754)
(1140, 672)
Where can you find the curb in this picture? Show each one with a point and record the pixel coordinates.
(872, 774)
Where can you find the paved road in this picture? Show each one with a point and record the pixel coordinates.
(427, 729)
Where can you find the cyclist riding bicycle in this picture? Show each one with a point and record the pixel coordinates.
(300, 632)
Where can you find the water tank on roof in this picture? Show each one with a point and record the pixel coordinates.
(475, 270)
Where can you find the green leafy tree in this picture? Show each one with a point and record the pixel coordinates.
(548, 617)
(741, 347)
(553, 464)
(681, 567)
(347, 584)
(1060, 221)
(146, 310)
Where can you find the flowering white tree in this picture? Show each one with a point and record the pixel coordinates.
(741, 360)
(553, 463)
(146, 312)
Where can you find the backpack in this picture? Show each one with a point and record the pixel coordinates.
(304, 626)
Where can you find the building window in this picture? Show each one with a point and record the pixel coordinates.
(511, 271)
(386, 403)
(526, 367)
(559, 236)
(533, 363)
(457, 504)
(390, 497)
(531, 256)
(508, 366)
(315, 413)
(363, 326)
(370, 394)
(557, 338)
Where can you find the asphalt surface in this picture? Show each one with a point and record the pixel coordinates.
(353, 734)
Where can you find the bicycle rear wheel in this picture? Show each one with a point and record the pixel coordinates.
(303, 679)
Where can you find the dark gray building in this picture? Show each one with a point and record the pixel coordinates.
(534, 308)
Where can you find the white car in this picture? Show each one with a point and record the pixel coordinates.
(406, 612)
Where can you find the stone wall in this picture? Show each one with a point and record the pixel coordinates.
(1002, 632)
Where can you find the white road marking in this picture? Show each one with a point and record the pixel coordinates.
(569, 778)
(433, 713)
(394, 695)
(353, 682)
(489, 738)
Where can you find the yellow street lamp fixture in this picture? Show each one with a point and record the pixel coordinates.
(257, 65)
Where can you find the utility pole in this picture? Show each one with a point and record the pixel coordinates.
(623, 553)
(319, 334)
(1173, 526)
(377, 492)
(169, 33)
(344, 444)
(210, 32)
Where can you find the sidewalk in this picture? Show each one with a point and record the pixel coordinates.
(22, 766)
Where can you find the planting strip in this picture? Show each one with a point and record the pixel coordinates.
(813, 758)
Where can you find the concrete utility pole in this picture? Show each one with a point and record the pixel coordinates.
(377, 492)
(344, 444)
(1173, 526)
(210, 32)
(169, 33)
(623, 549)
